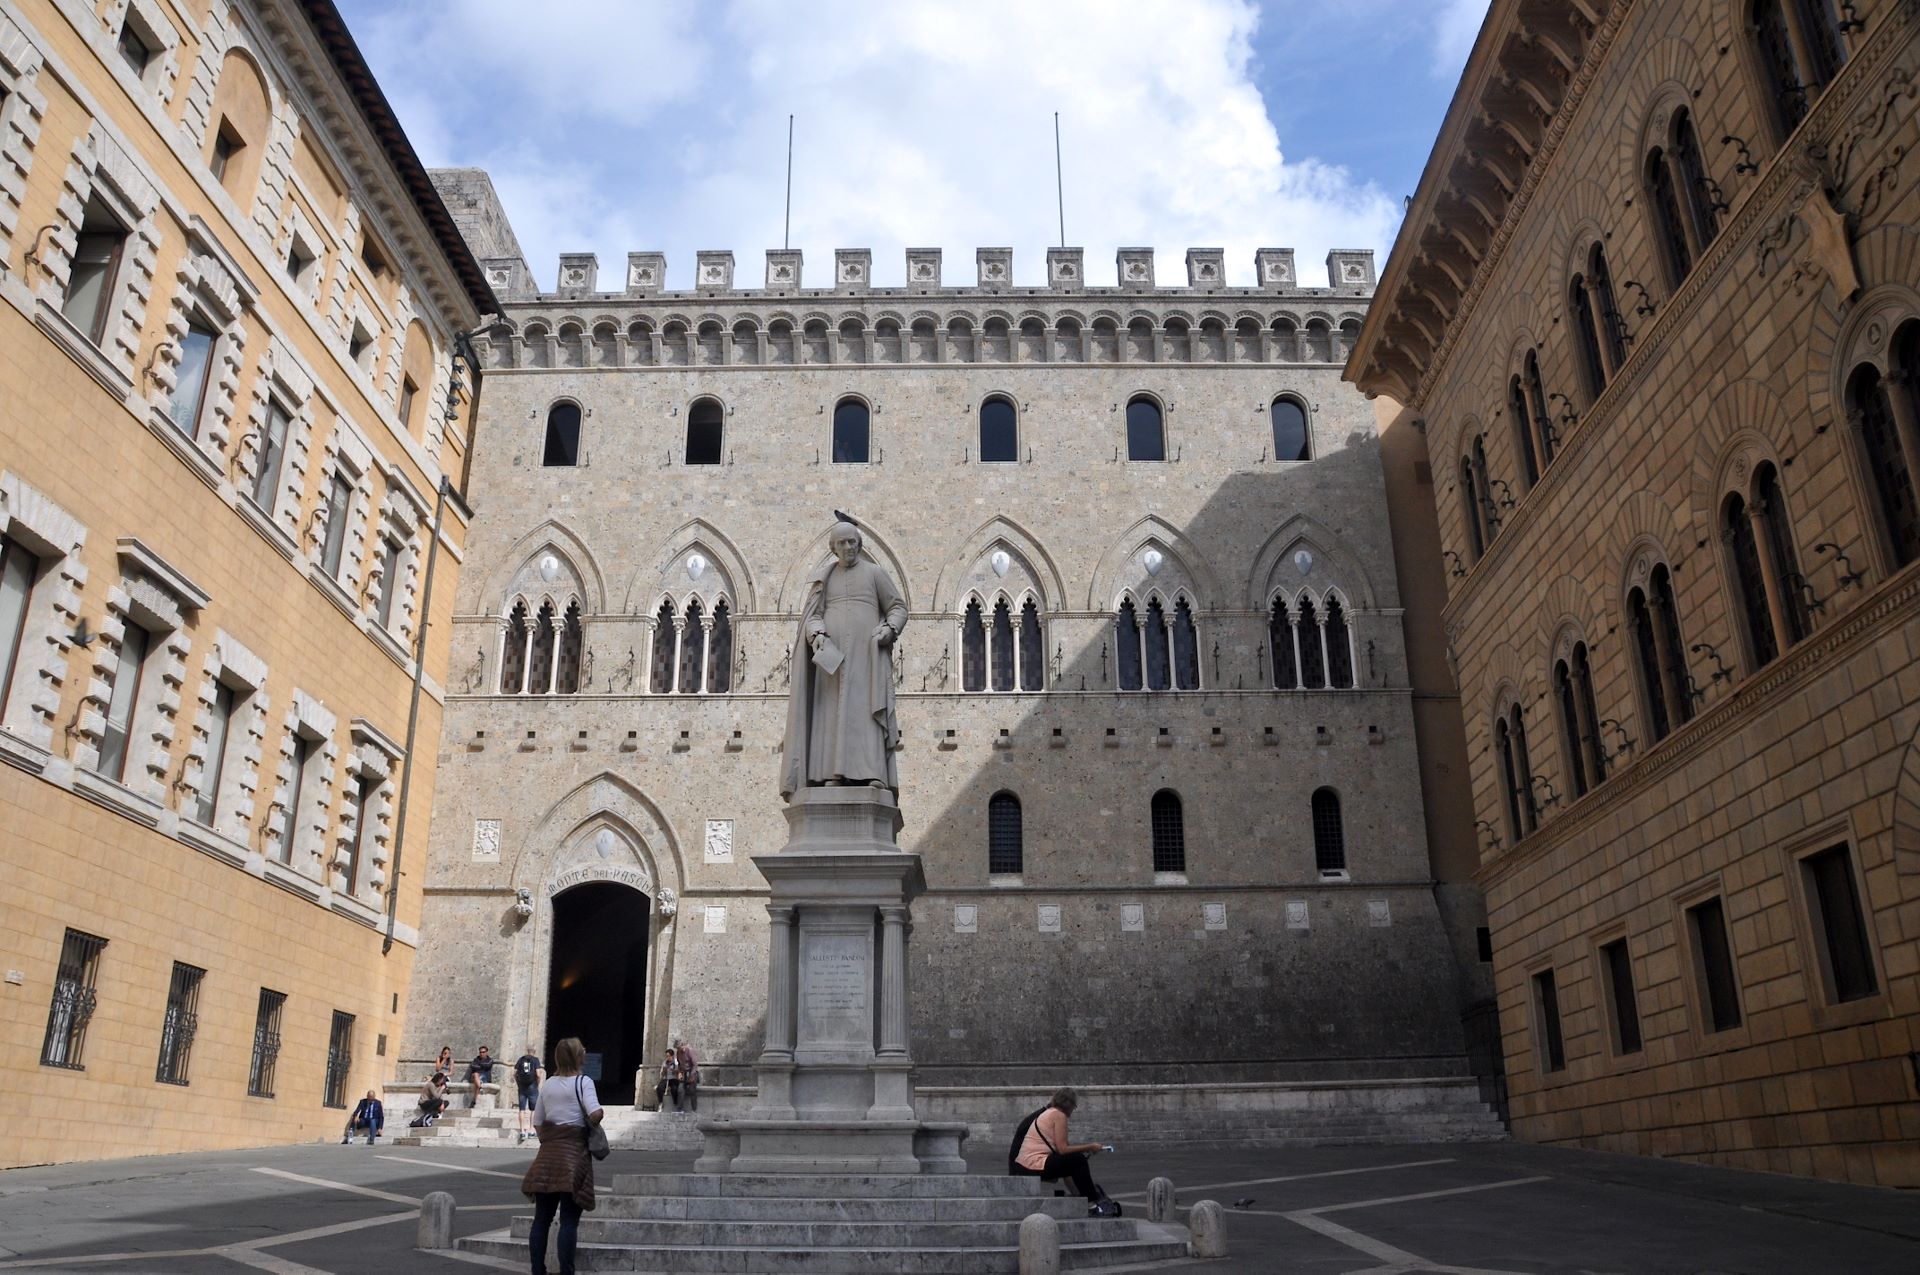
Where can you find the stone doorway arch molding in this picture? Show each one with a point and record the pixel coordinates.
(604, 830)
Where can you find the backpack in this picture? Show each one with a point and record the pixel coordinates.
(526, 1071)
(1019, 1140)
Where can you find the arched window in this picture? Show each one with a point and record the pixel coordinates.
(1872, 410)
(693, 649)
(1783, 564)
(1543, 430)
(513, 652)
(1470, 505)
(241, 115)
(563, 435)
(1312, 647)
(1589, 712)
(1005, 853)
(973, 649)
(1339, 642)
(1489, 512)
(1169, 833)
(540, 653)
(999, 430)
(706, 431)
(1516, 773)
(720, 650)
(1158, 658)
(1282, 641)
(1597, 325)
(1573, 696)
(1654, 691)
(1290, 437)
(1329, 838)
(665, 647)
(1126, 646)
(1146, 431)
(1663, 202)
(1749, 581)
(850, 433)
(566, 659)
(1002, 662)
(1522, 432)
(1690, 174)
(1186, 647)
(1801, 50)
(1033, 649)
(1673, 651)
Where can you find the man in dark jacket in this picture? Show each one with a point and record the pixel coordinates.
(369, 1116)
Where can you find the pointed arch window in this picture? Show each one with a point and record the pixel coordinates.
(513, 651)
(1283, 644)
(851, 433)
(720, 650)
(1873, 409)
(693, 648)
(1033, 649)
(1329, 837)
(1523, 441)
(660, 676)
(567, 655)
(1146, 430)
(1338, 641)
(999, 430)
(563, 435)
(706, 432)
(1126, 646)
(540, 652)
(1002, 661)
(1186, 647)
(1005, 851)
(1312, 647)
(1516, 774)
(1291, 438)
(1158, 657)
(1169, 832)
(973, 649)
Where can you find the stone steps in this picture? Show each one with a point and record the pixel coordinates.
(626, 1128)
(786, 1233)
(830, 1186)
(803, 1209)
(1155, 1244)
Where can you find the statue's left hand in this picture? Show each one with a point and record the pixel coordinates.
(884, 634)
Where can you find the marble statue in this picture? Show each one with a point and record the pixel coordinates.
(842, 727)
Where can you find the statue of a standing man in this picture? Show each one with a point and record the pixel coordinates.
(841, 723)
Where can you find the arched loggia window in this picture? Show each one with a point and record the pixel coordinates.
(850, 432)
(513, 652)
(1291, 438)
(706, 432)
(541, 657)
(1874, 410)
(563, 435)
(1579, 721)
(1659, 656)
(1768, 587)
(1801, 49)
(1516, 773)
(1146, 430)
(1599, 336)
(1523, 441)
(999, 430)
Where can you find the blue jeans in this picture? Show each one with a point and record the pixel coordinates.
(544, 1205)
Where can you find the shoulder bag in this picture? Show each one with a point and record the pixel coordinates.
(596, 1136)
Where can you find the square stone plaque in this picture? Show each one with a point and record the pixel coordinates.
(486, 841)
(835, 972)
(1297, 914)
(719, 841)
(1215, 915)
(1379, 915)
(716, 914)
(966, 918)
(1049, 918)
(1133, 918)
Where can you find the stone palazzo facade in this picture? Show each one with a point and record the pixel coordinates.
(1656, 307)
(1158, 752)
(229, 307)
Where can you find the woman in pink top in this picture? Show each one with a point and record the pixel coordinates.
(1048, 1155)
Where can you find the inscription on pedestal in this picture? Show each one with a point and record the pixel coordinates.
(835, 1004)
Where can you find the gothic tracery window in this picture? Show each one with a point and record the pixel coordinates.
(1313, 651)
(973, 649)
(513, 652)
(567, 654)
(540, 652)
(1033, 649)
(693, 648)
(1282, 646)
(1126, 646)
(660, 676)
(720, 650)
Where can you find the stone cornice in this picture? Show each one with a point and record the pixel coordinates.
(1893, 604)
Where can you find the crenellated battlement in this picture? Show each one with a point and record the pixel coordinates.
(1350, 274)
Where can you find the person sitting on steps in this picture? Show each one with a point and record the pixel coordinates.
(433, 1098)
(1042, 1150)
(369, 1116)
(669, 1081)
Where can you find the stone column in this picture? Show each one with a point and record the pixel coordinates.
(779, 1041)
(893, 982)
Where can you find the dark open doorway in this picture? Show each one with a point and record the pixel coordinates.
(597, 987)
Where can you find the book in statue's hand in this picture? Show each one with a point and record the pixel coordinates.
(828, 657)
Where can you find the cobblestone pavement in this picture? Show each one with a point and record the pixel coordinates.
(1337, 1210)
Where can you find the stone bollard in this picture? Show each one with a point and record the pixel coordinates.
(1039, 1245)
(1207, 1230)
(1160, 1200)
(436, 1221)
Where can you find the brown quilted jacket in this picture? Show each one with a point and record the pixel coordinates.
(562, 1165)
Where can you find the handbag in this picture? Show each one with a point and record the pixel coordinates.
(596, 1136)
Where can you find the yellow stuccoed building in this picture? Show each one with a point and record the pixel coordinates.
(234, 404)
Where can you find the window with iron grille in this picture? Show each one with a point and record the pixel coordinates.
(1169, 833)
(1005, 852)
(73, 1000)
(1329, 838)
(178, 1027)
(339, 1058)
(266, 1043)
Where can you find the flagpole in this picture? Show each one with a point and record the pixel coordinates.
(1059, 182)
(786, 227)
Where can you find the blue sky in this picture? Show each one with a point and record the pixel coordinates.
(614, 125)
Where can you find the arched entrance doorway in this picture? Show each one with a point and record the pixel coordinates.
(597, 982)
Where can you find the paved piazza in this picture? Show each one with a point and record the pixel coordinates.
(1328, 1210)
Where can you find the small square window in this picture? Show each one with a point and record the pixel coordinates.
(300, 259)
(374, 260)
(226, 145)
(359, 344)
(134, 49)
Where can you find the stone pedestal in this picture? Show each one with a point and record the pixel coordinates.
(835, 1074)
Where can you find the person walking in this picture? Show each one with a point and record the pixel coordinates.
(527, 1075)
(689, 1073)
(560, 1179)
(370, 1116)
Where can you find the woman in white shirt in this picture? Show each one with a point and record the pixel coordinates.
(560, 1179)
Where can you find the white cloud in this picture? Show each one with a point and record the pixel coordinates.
(917, 124)
(1455, 25)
